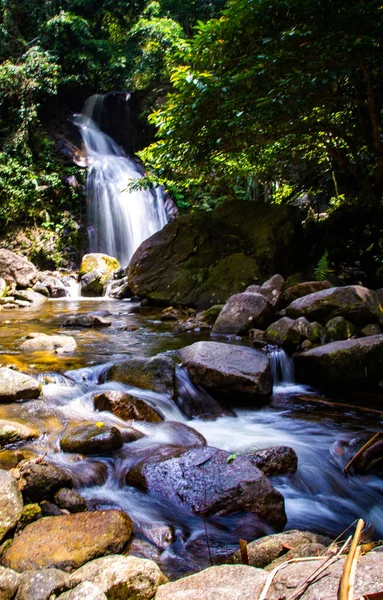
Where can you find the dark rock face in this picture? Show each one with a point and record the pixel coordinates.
(338, 328)
(354, 302)
(224, 370)
(348, 364)
(126, 407)
(242, 312)
(305, 288)
(16, 269)
(156, 373)
(70, 500)
(91, 438)
(285, 332)
(203, 259)
(280, 460)
(204, 480)
(39, 481)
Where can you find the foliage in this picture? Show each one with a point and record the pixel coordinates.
(322, 268)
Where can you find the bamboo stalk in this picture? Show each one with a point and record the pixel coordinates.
(347, 581)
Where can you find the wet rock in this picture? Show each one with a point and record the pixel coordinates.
(91, 438)
(368, 579)
(338, 328)
(371, 329)
(156, 373)
(354, 302)
(40, 585)
(69, 541)
(12, 432)
(226, 370)
(70, 500)
(49, 509)
(348, 364)
(9, 582)
(203, 480)
(291, 543)
(39, 481)
(211, 314)
(315, 332)
(31, 512)
(84, 591)
(16, 269)
(273, 289)
(216, 583)
(122, 577)
(92, 284)
(242, 312)
(285, 332)
(88, 472)
(88, 320)
(15, 386)
(120, 289)
(177, 433)
(304, 289)
(194, 401)
(142, 549)
(29, 296)
(11, 503)
(280, 460)
(41, 341)
(41, 289)
(53, 285)
(159, 534)
(9, 459)
(95, 271)
(126, 407)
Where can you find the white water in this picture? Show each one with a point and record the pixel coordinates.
(119, 219)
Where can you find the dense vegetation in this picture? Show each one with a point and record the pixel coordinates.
(265, 99)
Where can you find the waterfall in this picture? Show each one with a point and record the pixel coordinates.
(282, 367)
(119, 219)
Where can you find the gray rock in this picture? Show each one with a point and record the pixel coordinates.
(41, 341)
(39, 585)
(226, 582)
(273, 289)
(11, 503)
(16, 269)
(30, 296)
(92, 284)
(9, 582)
(122, 577)
(204, 480)
(91, 438)
(348, 364)
(12, 432)
(305, 288)
(226, 370)
(156, 373)
(84, 591)
(241, 313)
(15, 386)
(70, 500)
(354, 302)
(338, 328)
(285, 332)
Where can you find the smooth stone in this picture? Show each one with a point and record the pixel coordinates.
(156, 373)
(228, 371)
(16, 269)
(241, 313)
(12, 432)
(9, 582)
(11, 503)
(91, 438)
(338, 328)
(179, 434)
(29, 296)
(126, 407)
(205, 481)
(15, 386)
(371, 329)
(22, 303)
(122, 577)
(96, 260)
(285, 332)
(42, 341)
(280, 460)
(68, 541)
(70, 500)
(304, 289)
(226, 582)
(353, 302)
(42, 480)
(273, 289)
(84, 591)
(40, 585)
(86, 321)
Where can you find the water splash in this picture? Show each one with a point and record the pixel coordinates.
(119, 218)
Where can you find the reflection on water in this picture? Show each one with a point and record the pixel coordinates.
(318, 497)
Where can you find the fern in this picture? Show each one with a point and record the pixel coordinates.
(322, 268)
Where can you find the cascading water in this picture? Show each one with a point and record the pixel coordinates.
(282, 367)
(119, 218)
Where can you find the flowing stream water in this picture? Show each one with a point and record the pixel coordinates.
(119, 218)
(318, 497)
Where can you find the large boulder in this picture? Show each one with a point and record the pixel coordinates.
(228, 371)
(242, 312)
(91, 438)
(204, 258)
(122, 577)
(304, 289)
(36, 342)
(226, 582)
(16, 269)
(16, 387)
(68, 541)
(11, 503)
(95, 271)
(208, 482)
(347, 364)
(354, 302)
(156, 373)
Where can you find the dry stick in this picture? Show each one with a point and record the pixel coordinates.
(328, 561)
(363, 449)
(346, 586)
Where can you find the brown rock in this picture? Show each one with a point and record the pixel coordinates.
(12, 432)
(126, 406)
(305, 288)
(17, 387)
(280, 460)
(39, 481)
(91, 438)
(16, 269)
(68, 541)
(156, 373)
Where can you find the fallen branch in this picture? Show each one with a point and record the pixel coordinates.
(362, 450)
(347, 581)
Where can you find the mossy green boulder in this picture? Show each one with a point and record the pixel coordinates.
(95, 272)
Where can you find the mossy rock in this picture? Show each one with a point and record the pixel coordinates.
(99, 262)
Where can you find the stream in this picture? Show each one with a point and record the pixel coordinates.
(318, 497)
